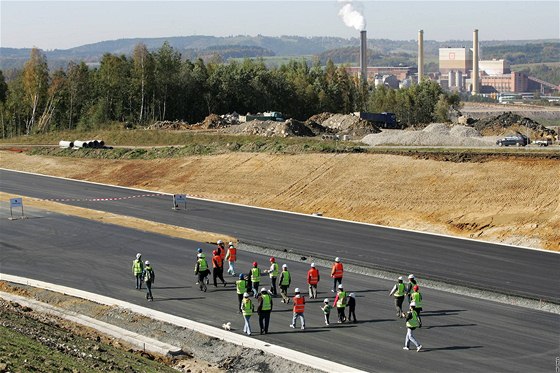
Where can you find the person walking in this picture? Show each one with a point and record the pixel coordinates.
(416, 298)
(285, 281)
(201, 269)
(299, 308)
(231, 257)
(326, 310)
(352, 307)
(411, 324)
(411, 283)
(241, 287)
(255, 278)
(398, 291)
(221, 249)
(264, 309)
(312, 280)
(247, 310)
(273, 273)
(337, 272)
(218, 269)
(340, 303)
(149, 278)
(137, 270)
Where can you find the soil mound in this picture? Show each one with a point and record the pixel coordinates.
(169, 125)
(290, 127)
(506, 122)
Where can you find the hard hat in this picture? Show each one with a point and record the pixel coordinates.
(400, 278)
(245, 295)
(284, 266)
(138, 256)
(199, 255)
(312, 265)
(415, 288)
(413, 304)
(411, 276)
(147, 262)
(263, 290)
(241, 276)
(199, 250)
(298, 295)
(297, 290)
(352, 295)
(272, 260)
(255, 264)
(215, 252)
(230, 243)
(220, 241)
(337, 259)
(340, 286)
(326, 300)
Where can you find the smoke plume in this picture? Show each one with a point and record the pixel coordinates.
(352, 17)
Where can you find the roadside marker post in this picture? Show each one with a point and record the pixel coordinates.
(14, 203)
(179, 198)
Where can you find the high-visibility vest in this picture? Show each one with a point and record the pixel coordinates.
(313, 276)
(148, 274)
(274, 270)
(299, 304)
(417, 298)
(285, 278)
(217, 261)
(137, 266)
(241, 286)
(247, 307)
(266, 302)
(222, 252)
(400, 290)
(232, 254)
(202, 264)
(341, 302)
(413, 322)
(255, 274)
(337, 270)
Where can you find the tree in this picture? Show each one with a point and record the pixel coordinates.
(35, 85)
(143, 77)
(78, 86)
(167, 71)
(3, 88)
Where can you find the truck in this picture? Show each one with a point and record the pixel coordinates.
(269, 115)
(382, 120)
(543, 142)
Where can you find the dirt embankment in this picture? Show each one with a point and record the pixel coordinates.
(509, 200)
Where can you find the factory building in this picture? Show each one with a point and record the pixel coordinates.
(400, 72)
(455, 59)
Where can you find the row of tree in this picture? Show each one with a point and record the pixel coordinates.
(160, 85)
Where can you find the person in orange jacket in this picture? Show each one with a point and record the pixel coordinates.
(231, 257)
(299, 308)
(221, 249)
(312, 280)
(337, 273)
(218, 268)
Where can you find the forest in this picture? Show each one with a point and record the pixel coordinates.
(161, 85)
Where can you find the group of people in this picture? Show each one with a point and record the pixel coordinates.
(247, 286)
(411, 290)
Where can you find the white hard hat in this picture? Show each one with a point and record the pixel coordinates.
(147, 262)
(312, 265)
(411, 276)
(337, 259)
(138, 256)
(352, 295)
(413, 304)
(297, 290)
(220, 241)
(199, 255)
(284, 266)
(230, 243)
(298, 295)
(340, 286)
(400, 278)
(326, 300)
(245, 295)
(263, 290)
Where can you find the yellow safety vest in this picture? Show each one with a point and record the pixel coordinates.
(266, 302)
(274, 272)
(413, 322)
(255, 274)
(417, 298)
(241, 286)
(400, 290)
(247, 307)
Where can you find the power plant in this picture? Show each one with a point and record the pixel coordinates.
(475, 75)
(420, 55)
(363, 55)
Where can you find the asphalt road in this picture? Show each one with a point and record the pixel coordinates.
(460, 334)
(507, 269)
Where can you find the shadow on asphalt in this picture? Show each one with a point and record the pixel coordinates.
(374, 320)
(167, 299)
(450, 348)
(172, 287)
(447, 326)
(298, 330)
(441, 313)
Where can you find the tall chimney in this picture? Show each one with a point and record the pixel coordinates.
(420, 55)
(363, 55)
(474, 77)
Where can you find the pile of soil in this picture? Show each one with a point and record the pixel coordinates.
(214, 121)
(342, 124)
(169, 125)
(288, 128)
(506, 122)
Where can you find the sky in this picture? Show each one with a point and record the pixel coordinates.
(66, 24)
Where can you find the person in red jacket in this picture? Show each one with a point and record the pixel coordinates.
(299, 308)
(312, 281)
(221, 249)
(218, 268)
(337, 272)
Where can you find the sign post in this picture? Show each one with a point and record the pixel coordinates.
(16, 202)
(179, 198)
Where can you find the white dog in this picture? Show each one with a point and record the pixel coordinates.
(226, 326)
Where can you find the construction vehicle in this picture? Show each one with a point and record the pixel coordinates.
(382, 120)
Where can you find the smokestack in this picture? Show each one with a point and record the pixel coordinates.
(474, 77)
(363, 55)
(420, 55)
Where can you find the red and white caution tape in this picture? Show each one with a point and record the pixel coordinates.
(97, 199)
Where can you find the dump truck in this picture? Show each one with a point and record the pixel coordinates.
(382, 120)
